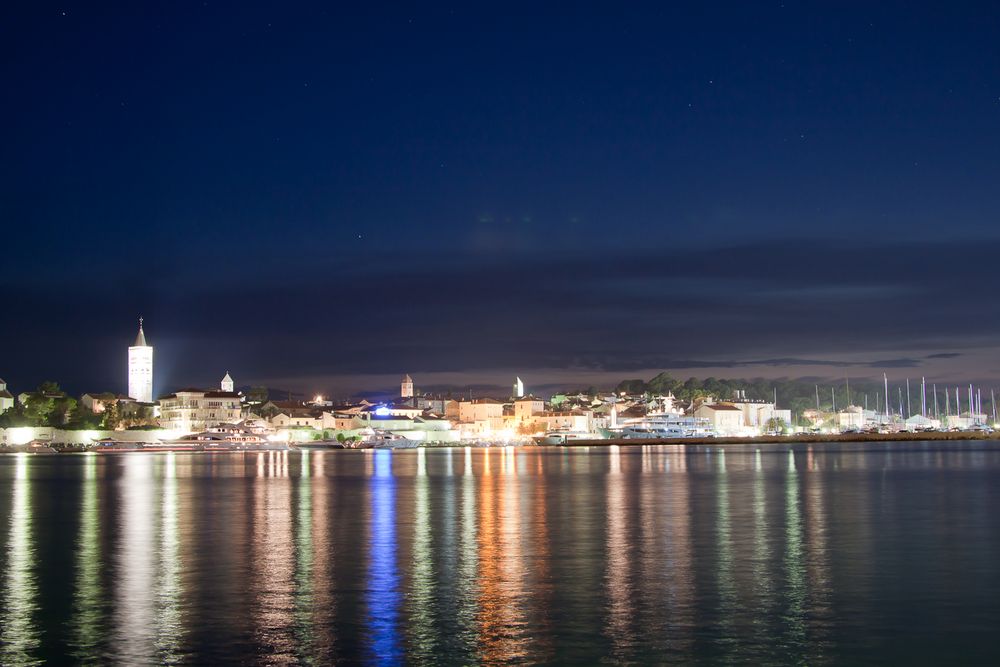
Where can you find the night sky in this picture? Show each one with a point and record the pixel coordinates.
(323, 198)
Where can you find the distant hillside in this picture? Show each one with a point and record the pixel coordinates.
(795, 395)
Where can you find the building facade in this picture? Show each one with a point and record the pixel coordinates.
(193, 410)
(6, 399)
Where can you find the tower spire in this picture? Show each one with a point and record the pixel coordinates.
(140, 340)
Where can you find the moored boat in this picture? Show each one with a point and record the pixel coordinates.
(561, 437)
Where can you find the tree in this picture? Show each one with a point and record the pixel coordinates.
(83, 418)
(527, 428)
(49, 387)
(37, 407)
(112, 415)
(257, 396)
(631, 386)
(15, 417)
(62, 408)
(775, 425)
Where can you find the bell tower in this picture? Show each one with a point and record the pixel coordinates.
(140, 369)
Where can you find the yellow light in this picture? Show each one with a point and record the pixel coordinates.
(21, 435)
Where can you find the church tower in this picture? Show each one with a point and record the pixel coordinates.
(227, 383)
(406, 387)
(140, 369)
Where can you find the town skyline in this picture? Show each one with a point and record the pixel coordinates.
(442, 383)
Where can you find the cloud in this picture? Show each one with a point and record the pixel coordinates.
(791, 305)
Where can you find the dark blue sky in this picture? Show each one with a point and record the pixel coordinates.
(324, 198)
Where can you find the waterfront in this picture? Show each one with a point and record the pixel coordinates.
(762, 554)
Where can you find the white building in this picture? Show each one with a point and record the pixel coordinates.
(192, 410)
(920, 422)
(851, 417)
(580, 421)
(6, 398)
(140, 369)
(227, 383)
(527, 406)
(406, 387)
(725, 418)
(480, 409)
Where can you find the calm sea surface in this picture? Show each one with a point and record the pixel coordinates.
(788, 554)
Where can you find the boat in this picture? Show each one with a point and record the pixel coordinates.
(562, 436)
(663, 426)
(33, 447)
(228, 438)
(319, 444)
(113, 446)
(387, 440)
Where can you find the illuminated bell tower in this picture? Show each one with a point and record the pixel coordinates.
(140, 369)
(227, 383)
(406, 387)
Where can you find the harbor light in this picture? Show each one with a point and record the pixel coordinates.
(20, 435)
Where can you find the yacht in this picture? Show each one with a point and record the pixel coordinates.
(562, 436)
(379, 439)
(662, 426)
(241, 436)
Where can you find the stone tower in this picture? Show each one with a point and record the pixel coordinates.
(140, 369)
(406, 387)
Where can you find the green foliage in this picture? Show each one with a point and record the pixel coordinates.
(82, 418)
(112, 415)
(635, 386)
(257, 395)
(794, 395)
(775, 425)
(15, 416)
(49, 387)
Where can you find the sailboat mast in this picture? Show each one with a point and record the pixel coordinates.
(885, 379)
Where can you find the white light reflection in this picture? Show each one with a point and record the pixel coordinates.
(87, 631)
(20, 637)
(134, 628)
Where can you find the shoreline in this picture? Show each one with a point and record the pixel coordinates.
(790, 439)
(953, 436)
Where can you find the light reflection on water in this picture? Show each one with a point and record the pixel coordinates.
(533, 555)
(20, 638)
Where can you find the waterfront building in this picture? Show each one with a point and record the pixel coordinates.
(580, 421)
(192, 410)
(406, 387)
(6, 398)
(227, 383)
(140, 369)
(526, 406)
(381, 410)
(480, 409)
(437, 405)
(851, 417)
(724, 418)
(922, 423)
(98, 402)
